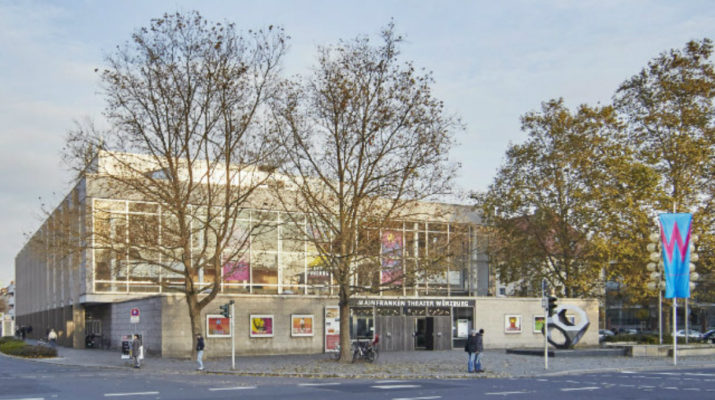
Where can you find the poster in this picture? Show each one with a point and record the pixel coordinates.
(512, 323)
(301, 325)
(261, 325)
(462, 328)
(236, 271)
(538, 323)
(332, 328)
(391, 242)
(218, 326)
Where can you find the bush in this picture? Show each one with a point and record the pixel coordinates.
(643, 338)
(21, 349)
(6, 339)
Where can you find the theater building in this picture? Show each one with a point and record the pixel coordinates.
(283, 304)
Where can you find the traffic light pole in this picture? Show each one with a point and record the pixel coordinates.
(233, 337)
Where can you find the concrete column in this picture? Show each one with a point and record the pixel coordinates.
(78, 318)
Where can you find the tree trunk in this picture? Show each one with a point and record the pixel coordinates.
(346, 354)
(195, 317)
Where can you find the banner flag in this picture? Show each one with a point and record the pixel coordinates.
(675, 240)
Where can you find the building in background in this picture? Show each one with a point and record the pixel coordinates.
(7, 313)
(284, 302)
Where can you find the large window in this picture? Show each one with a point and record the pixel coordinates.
(137, 248)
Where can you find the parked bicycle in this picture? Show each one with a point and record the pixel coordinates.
(366, 350)
(361, 350)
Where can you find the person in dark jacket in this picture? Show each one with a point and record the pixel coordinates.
(471, 348)
(136, 350)
(200, 351)
(480, 351)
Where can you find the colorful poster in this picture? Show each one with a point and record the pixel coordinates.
(538, 323)
(391, 242)
(675, 232)
(332, 328)
(301, 325)
(218, 326)
(261, 325)
(236, 271)
(512, 323)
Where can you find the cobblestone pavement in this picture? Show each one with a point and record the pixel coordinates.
(407, 365)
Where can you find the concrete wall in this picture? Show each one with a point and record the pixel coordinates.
(177, 341)
(490, 313)
(149, 326)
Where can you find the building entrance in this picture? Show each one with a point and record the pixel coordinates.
(424, 339)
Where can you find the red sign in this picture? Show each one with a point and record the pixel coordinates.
(134, 312)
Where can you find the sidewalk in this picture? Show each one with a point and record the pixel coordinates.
(395, 365)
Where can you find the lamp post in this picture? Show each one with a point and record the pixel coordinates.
(656, 278)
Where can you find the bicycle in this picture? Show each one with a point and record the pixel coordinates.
(366, 350)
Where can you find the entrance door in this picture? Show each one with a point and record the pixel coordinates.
(424, 331)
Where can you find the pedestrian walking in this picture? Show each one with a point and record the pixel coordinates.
(480, 351)
(52, 338)
(136, 351)
(471, 348)
(200, 351)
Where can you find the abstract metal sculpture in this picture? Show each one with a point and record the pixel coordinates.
(572, 332)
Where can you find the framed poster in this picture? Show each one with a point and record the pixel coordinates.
(512, 323)
(332, 328)
(261, 325)
(462, 328)
(538, 323)
(301, 325)
(218, 326)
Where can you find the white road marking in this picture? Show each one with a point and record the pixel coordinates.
(29, 398)
(622, 385)
(505, 393)
(668, 373)
(693, 389)
(671, 388)
(319, 384)
(698, 374)
(130, 394)
(581, 388)
(418, 398)
(388, 387)
(628, 372)
(232, 388)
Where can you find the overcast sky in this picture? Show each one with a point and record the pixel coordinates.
(493, 61)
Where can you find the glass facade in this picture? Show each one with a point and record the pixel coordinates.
(137, 248)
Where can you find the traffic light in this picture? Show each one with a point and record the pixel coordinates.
(552, 305)
(226, 310)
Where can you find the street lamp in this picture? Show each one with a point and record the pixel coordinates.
(694, 276)
(656, 277)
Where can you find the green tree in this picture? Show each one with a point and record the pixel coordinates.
(364, 140)
(564, 204)
(670, 112)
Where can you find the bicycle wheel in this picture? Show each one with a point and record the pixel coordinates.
(371, 355)
(335, 355)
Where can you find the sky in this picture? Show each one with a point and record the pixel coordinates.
(492, 61)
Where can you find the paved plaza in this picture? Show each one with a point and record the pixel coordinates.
(397, 365)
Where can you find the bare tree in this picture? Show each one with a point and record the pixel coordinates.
(364, 141)
(185, 101)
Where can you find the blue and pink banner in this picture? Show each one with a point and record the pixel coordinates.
(675, 240)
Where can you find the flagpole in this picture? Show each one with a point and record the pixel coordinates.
(675, 317)
(675, 331)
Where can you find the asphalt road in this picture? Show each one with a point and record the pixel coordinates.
(22, 379)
